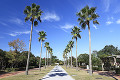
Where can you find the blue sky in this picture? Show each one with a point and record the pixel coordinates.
(57, 20)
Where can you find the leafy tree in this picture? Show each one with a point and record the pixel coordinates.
(33, 14)
(2, 59)
(42, 38)
(108, 50)
(18, 45)
(46, 45)
(76, 34)
(83, 58)
(85, 16)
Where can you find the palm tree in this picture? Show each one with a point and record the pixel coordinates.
(33, 14)
(85, 16)
(76, 34)
(68, 48)
(51, 52)
(64, 58)
(71, 43)
(42, 38)
(46, 45)
(48, 48)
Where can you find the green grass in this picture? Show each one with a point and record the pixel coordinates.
(83, 75)
(33, 75)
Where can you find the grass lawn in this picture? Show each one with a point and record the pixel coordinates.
(83, 75)
(33, 75)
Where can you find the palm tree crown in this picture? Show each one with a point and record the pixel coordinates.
(86, 15)
(76, 32)
(42, 36)
(33, 13)
(46, 44)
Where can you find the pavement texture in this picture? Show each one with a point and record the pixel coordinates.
(57, 73)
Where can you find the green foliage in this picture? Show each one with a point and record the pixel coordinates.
(86, 15)
(42, 35)
(76, 32)
(33, 13)
(117, 70)
(83, 58)
(108, 50)
(12, 69)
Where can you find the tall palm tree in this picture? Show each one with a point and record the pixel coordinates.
(71, 43)
(85, 16)
(64, 58)
(68, 48)
(46, 45)
(51, 52)
(76, 34)
(42, 38)
(33, 14)
(48, 48)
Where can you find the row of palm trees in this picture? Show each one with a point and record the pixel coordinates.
(85, 15)
(33, 14)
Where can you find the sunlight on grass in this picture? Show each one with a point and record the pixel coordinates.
(33, 75)
(83, 75)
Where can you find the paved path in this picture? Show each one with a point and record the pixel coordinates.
(57, 73)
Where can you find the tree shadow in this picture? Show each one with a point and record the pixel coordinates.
(109, 74)
(55, 74)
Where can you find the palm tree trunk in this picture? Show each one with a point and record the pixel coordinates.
(40, 57)
(29, 50)
(45, 58)
(68, 59)
(64, 61)
(76, 54)
(48, 58)
(71, 58)
(90, 62)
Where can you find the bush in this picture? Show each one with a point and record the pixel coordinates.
(97, 68)
(84, 67)
(22, 68)
(31, 67)
(12, 69)
(117, 70)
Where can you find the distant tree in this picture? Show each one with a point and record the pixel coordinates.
(2, 59)
(18, 45)
(71, 44)
(42, 38)
(83, 58)
(46, 46)
(108, 50)
(76, 34)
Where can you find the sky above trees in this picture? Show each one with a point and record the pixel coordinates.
(57, 20)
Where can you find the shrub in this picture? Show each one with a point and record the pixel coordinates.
(12, 69)
(84, 67)
(117, 70)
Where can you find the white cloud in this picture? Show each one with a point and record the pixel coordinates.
(118, 21)
(16, 21)
(95, 26)
(19, 33)
(67, 26)
(106, 4)
(3, 23)
(50, 17)
(109, 22)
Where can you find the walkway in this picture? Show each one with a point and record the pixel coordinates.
(57, 73)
